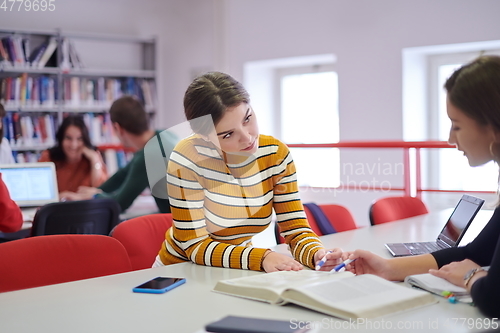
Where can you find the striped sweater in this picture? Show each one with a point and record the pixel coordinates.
(219, 202)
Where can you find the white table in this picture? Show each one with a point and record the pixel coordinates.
(107, 304)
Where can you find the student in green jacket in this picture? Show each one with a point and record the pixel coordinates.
(131, 125)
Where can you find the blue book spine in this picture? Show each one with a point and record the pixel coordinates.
(36, 128)
(29, 86)
(44, 89)
(6, 132)
(40, 89)
(121, 159)
(10, 126)
(12, 90)
(130, 86)
(56, 91)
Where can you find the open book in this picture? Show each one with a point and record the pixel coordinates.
(341, 295)
(437, 285)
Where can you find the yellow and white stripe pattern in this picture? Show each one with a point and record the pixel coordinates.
(219, 202)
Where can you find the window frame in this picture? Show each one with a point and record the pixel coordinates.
(282, 72)
(295, 70)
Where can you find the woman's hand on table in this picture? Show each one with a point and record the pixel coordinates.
(274, 262)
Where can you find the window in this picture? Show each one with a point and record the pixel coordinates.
(309, 114)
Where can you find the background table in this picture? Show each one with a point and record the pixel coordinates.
(107, 304)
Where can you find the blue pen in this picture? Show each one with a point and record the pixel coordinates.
(342, 265)
(322, 261)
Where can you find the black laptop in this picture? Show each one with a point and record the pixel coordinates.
(450, 236)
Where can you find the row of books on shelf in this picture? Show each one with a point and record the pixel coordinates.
(28, 91)
(114, 159)
(78, 92)
(26, 156)
(100, 129)
(30, 130)
(82, 91)
(22, 131)
(15, 51)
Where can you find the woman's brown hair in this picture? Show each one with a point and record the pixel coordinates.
(211, 94)
(475, 89)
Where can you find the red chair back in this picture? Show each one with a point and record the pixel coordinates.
(312, 223)
(340, 217)
(43, 260)
(396, 208)
(142, 237)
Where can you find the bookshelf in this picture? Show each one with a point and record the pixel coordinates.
(45, 75)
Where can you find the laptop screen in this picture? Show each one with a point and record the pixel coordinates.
(31, 184)
(459, 221)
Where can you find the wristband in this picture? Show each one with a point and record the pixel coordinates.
(468, 276)
(264, 257)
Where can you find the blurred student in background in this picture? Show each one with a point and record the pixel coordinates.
(77, 162)
(5, 151)
(131, 126)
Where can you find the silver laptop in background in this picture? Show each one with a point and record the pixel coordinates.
(31, 185)
(450, 236)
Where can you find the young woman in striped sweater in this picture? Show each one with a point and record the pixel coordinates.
(224, 182)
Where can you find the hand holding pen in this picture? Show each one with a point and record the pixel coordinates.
(342, 265)
(320, 263)
(328, 259)
(370, 263)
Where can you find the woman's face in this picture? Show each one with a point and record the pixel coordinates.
(470, 137)
(72, 144)
(238, 131)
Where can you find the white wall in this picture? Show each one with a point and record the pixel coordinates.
(366, 36)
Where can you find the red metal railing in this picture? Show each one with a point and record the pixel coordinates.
(408, 187)
(114, 147)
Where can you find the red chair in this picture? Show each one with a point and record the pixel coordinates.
(340, 217)
(312, 223)
(142, 237)
(43, 260)
(396, 208)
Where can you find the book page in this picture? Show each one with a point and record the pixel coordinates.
(269, 286)
(364, 296)
(279, 281)
(350, 290)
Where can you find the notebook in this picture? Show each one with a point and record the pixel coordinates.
(450, 236)
(31, 184)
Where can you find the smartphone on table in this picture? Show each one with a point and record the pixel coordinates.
(159, 285)
(237, 324)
